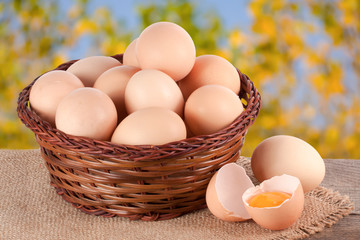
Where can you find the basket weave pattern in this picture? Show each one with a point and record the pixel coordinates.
(139, 182)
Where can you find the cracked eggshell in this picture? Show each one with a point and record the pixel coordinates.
(224, 193)
(284, 215)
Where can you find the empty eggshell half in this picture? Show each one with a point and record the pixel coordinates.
(281, 216)
(224, 193)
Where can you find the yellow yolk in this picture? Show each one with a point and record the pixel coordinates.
(268, 199)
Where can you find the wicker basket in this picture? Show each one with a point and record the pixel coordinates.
(139, 182)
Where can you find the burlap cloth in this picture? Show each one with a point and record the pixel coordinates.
(31, 209)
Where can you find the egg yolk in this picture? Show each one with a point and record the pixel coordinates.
(268, 199)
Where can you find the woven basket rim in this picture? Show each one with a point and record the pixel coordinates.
(101, 147)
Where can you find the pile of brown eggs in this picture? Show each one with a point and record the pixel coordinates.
(161, 93)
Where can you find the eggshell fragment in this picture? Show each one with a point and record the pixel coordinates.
(150, 126)
(49, 89)
(113, 82)
(90, 68)
(284, 215)
(129, 57)
(153, 88)
(87, 112)
(167, 47)
(224, 193)
(208, 70)
(283, 154)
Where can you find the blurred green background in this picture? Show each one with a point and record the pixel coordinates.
(303, 56)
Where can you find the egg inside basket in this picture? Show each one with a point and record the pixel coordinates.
(139, 182)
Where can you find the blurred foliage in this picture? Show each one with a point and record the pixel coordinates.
(303, 56)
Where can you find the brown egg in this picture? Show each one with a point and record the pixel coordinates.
(210, 69)
(284, 154)
(154, 126)
(167, 47)
(211, 108)
(129, 57)
(276, 203)
(224, 193)
(49, 90)
(113, 82)
(153, 88)
(90, 68)
(87, 112)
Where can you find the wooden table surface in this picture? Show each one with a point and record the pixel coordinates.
(343, 175)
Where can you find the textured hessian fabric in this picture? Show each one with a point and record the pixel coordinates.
(31, 209)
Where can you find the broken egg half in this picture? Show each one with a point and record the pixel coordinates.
(224, 193)
(276, 203)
